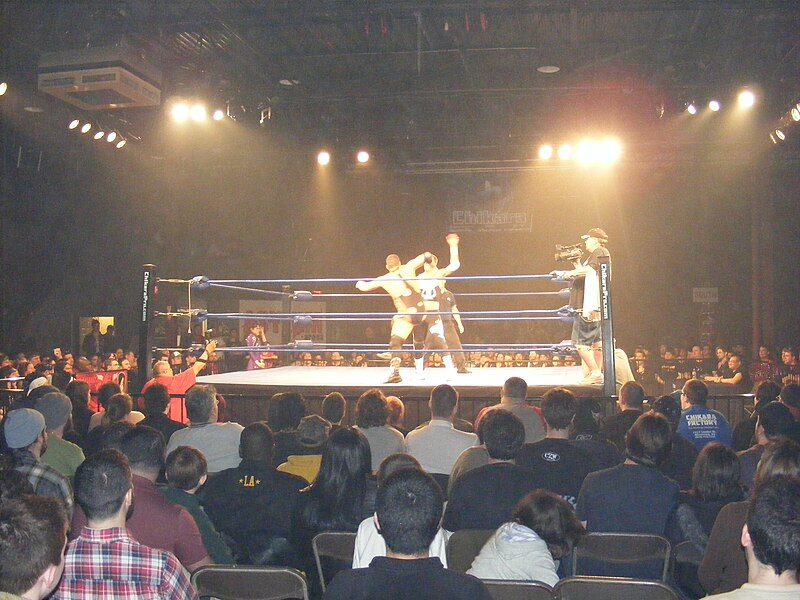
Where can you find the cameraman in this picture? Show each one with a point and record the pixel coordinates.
(585, 298)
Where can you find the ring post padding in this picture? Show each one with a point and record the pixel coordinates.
(148, 287)
(286, 326)
(607, 329)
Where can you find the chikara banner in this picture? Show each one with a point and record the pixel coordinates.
(481, 204)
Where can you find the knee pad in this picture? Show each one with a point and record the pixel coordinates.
(396, 342)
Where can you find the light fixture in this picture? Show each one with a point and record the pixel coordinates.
(565, 152)
(362, 156)
(780, 134)
(87, 127)
(198, 113)
(714, 106)
(586, 152)
(112, 135)
(3, 88)
(548, 69)
(324, 158)
(74, 124)
(546, 152)
(691, 108)
(746, 99)
(121, 143)
(795, 113)
(180, 112)
(609, 151)
(218, 115)
(99, 134)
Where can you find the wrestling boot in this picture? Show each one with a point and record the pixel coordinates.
(419, 363)
(450, 369)
(394, 371)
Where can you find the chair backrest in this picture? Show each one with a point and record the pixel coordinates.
(338, 545)
(464, 545)
(612, 588)
(506, 589)
(231, 582)
(638, 555)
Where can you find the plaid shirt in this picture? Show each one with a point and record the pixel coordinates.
(45, 480)
(108, 564)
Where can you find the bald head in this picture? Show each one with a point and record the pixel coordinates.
(161, 368)
(392, 262)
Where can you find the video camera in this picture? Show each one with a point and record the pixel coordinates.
(568, 253)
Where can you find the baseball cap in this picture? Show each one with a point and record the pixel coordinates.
(596, 232)
(313, 431)
(56, 409)
(22, 427)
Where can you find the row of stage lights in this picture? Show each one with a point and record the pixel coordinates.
(98, 133)
(787, 122)
(745, 100)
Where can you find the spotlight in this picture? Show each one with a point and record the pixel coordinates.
(691, 109)
(546, 152)
(714, 106)
(772, 138)
(362, 156)
(565, 152)
(180, 112)
(324, 158)
(609, 151)
(111, 136)
(121, 143)
(218, 115)
(746, 99)
(780, 134)
(586, 152)
(198, 113)
(74, 123)
(87, 127)
(3, 88)
(99, 134)
(795, 113)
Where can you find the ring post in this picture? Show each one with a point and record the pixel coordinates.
(145, 321)
(286, 325)
(607, 328)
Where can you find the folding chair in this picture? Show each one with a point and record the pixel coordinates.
(464, 545)
(338, 545)
(506, 589)
(612, 588)
(231, 582)
(637, 555)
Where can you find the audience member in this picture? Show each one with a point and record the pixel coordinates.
(33, 534)
(370, 542)
(78, 393)
(485, 497)
(334, 409)
(253, 503)
(62, 455)
(397, 413)
(724, 565)
(514, 400)
(559, 466)
(544, 530)
(219, 442)
(156, 522)
(371, 416)
(771, 539)
(438, 444)
(26, 437)
(680, 462)
(774, 422)
(631, 401)
(700, 424)
(585, 434)
(106, 561)
(408, 513)
(118, 409)
(286, 409)
(790, 396)
(744, 433)
(312, 433)
(156, 407)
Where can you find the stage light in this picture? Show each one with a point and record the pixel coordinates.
(74, 124)
(565, 152)
(87, 127)
(586, 152)
(180, 112)
(121, 143)
(780, 134)
(362, 156)
(609, 151)
(324, 158)
(546, 152)
(99, 134)
(3, 88)
(198, 113)
(746, 99)
(714, 106)
(218, 115)
(111, 136)
(795, 113)
(691, 109)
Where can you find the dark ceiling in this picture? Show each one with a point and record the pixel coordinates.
(428, 81)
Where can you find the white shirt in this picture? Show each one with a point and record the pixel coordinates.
(219, 442)
(370, 543)
(438, 444)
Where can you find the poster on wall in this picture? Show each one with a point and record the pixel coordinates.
(486, 204)
(315, 332)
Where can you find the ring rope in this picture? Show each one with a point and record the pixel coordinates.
(297, 347)
(201, 280)
(559, 293)
(381, 315)
(257, 290)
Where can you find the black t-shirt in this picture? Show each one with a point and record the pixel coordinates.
(559, 466)
(485, 497)
(576, 289)
(446, 303)
(680, 462)
(616, 426)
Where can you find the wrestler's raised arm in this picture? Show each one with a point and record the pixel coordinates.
(369, 286)
(452, 241)
(417, 262)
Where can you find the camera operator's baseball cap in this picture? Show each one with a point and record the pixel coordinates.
(596, 232)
